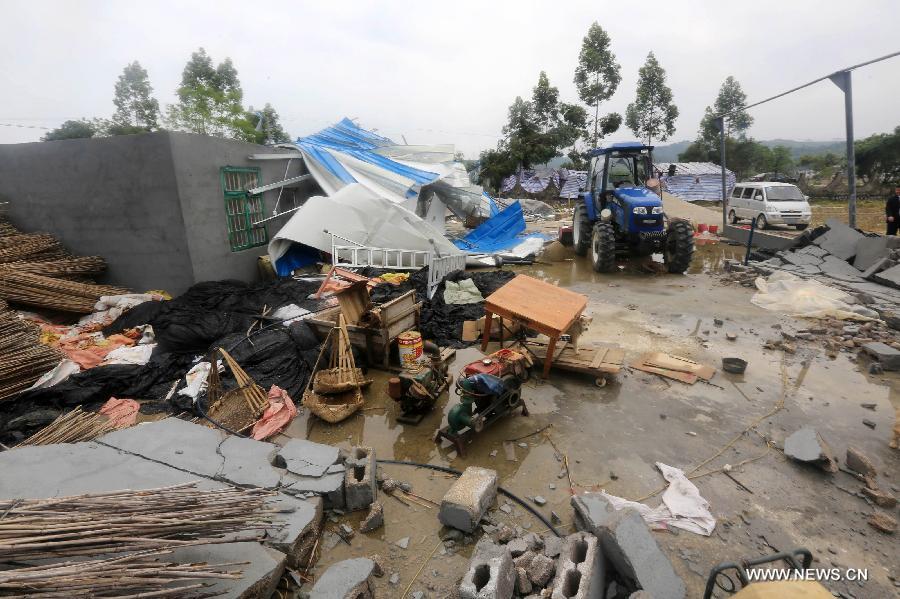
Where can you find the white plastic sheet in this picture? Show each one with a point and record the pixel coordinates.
(362, 216)
(784, 292)
(62, 371)
(682, 505)
(110, 307)
(137, 355)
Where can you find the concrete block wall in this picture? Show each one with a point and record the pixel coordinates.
(151, 205)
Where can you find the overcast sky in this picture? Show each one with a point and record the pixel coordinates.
(445, 72)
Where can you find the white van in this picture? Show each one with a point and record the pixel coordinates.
(769, 203)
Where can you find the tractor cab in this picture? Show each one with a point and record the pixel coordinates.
(618, 180)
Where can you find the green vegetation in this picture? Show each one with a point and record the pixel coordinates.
(597, 77)
(209, 103)
(652, 115)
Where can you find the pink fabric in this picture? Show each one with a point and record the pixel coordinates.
(278, 415)
(121, 412)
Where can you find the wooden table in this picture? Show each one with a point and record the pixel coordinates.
(541, 306)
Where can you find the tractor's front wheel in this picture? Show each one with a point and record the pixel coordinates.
(603, 248)
(679, 248)
(581, 230)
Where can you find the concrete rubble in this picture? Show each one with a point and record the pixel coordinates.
(807, 445)
(349, 579)
(491, 574)
(469, 498)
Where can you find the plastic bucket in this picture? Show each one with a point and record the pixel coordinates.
(409, 346)
(702, 228)
(714, 229)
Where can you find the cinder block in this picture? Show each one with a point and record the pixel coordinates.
(359, 479)
(579, 572)
(491, 573)
(887, 355)
(628, 546)
(467, 500)
(349, 579)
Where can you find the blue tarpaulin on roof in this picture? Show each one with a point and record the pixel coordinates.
(500, 232)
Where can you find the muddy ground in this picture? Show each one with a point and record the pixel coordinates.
(614, 435)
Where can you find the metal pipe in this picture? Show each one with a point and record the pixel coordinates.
(721, 124)
(750, 241)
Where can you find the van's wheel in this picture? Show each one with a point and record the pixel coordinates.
(801, 227)
(733, 217)
(581, 230)
(679, 249)
(761, 222)
(603, 248)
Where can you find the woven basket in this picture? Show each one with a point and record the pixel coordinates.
(333, 408)
(334, 380)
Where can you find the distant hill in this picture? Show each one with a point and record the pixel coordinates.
(670, 152)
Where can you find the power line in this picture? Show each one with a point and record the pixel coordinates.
(24, 126)
(813, 82)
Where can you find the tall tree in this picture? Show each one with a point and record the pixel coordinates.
(652, 115)
(597, 77)
(732, 99)
(265, 126)
(136, 108)
(79, 129)
(209, 99)
(781, 160)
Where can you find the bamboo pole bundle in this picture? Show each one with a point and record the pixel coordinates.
(30, 245)
(127, 520)
(134, 575)
(60, 267)
(23, 358)
(56, 294)
(72, 427)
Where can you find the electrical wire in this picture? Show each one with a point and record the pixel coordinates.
(500, 490)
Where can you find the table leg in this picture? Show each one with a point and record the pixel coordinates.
(486, 334)
(548, 361)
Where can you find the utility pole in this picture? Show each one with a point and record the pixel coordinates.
(843, 80)
(720, 123)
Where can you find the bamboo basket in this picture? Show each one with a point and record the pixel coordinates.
(342, 375)
(237, 409)
(336, 406)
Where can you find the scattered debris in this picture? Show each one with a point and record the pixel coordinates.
(375, 518)
(806, 445)
(468, 499)
(883, 523)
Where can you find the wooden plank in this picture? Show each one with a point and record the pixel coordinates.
(599, 357)
(684, 377)
(679, 364)
(610, 359)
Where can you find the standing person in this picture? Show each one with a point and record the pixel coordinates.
(892, 212)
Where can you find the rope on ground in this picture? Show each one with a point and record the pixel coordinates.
(779, 405)
(422, 567)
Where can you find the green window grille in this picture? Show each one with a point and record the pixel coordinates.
(243, 209)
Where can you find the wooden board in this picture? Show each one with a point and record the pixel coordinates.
(678, 364)
(590, 359)
(535, 302)
(684, 377)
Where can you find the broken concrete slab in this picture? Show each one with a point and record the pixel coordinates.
(801, 259)
(540, 570)
(360, 487)
(248, 463)
(491, 574)
(580, 570)
(306, 458)
(812, 250)
(259, 577)
(890, 276)
(296, 521)
(878, 266)
(628, 545)
(178, 443)
(374, 519)
(857, 461)
(870, 250)
(469, 498)
(887, 355)
(330, 487)
(840, 240)
(348, 579)
(837, 268)
(806, 445)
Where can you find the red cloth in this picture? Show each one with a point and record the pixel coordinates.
(122, 413)
(280, 412)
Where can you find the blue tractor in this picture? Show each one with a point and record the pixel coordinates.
(617, 215)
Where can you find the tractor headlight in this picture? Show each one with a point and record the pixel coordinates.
(606, 215)
(656, 210)
(640, 210)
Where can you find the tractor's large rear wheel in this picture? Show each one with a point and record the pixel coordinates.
(581, 230)
(679, 248)
(603, 248)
